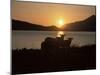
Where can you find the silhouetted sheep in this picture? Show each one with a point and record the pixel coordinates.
(55, 45)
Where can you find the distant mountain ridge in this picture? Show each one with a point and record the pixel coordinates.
(21, 25)
(88, 24)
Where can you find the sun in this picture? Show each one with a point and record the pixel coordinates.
(60, 23)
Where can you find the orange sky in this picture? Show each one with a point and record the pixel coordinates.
(49, 14)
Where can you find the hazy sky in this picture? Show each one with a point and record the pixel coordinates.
(50, 14)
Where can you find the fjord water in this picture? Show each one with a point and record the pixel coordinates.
(33, 39)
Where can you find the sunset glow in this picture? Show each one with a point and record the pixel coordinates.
(60, 23)
(48, 14)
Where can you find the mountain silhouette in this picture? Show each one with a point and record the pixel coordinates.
(21, 25)
(88, 24)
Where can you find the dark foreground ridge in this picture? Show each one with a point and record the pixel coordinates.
(66, 59)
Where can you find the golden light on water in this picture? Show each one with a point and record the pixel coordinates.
(60, 33)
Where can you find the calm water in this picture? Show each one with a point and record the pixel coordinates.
(33, 39)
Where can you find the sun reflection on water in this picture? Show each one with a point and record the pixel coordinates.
(60, 33)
